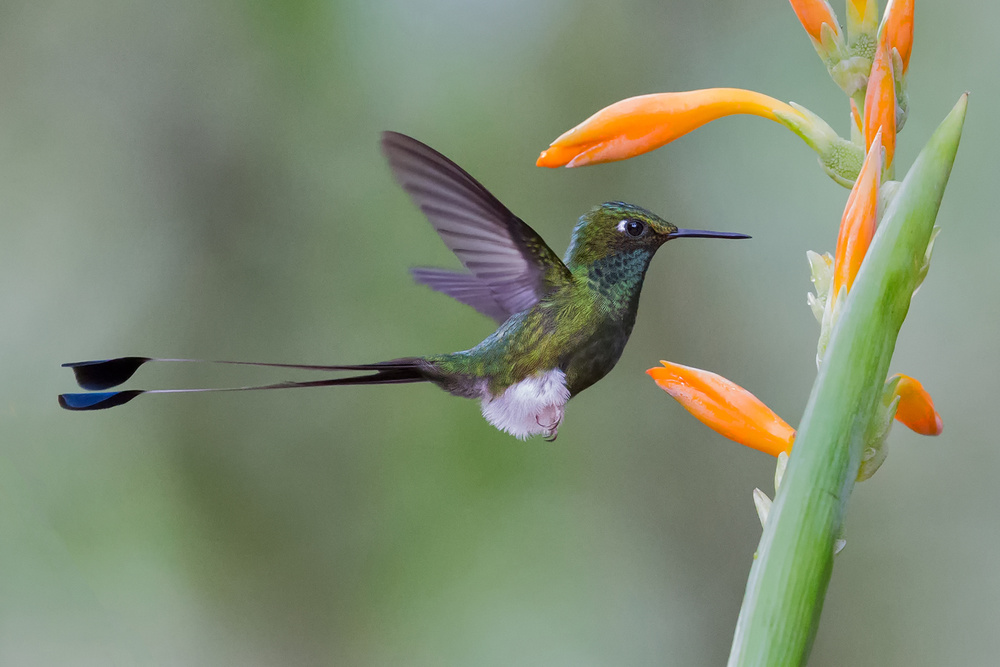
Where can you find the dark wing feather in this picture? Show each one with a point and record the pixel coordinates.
(500, 251)
(463, 287)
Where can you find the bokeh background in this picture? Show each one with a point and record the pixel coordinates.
(202, 179)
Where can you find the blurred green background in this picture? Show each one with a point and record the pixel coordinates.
(203, 180)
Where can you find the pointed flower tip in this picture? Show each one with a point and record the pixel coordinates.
(547, 158)
(812, 15)
(897, 29)
(641, 124)
(916, 408)
(857, 227)
(725, 407)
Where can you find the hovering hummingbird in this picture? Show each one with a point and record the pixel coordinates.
(563, 324)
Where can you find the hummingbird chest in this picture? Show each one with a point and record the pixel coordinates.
(613, 286)
(598, 353)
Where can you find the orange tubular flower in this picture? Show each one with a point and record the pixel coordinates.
(813, 14)
(725, 407)
(857, 227)
(897, 29)
(916, 409)
(880, 104)
(640, 124)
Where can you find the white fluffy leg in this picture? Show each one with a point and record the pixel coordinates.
(533, 406)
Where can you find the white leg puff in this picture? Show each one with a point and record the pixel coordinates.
(533, 406)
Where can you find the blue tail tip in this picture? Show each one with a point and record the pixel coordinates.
(97, 400)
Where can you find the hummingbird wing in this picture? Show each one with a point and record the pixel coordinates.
(502, 253)
(463, 287)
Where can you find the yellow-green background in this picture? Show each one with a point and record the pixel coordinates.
(203, 179)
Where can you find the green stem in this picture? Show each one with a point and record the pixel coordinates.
(788, 581)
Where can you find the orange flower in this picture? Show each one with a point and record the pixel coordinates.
(638, 125)
(880, 104)
(897, 29)
(857, 227)
(725, 407)
(813, 14)
(916, 409)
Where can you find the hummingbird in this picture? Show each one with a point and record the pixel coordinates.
(563, 324)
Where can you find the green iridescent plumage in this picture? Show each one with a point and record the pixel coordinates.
(581, 323)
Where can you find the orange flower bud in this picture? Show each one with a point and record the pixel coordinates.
(813, 14)
(638, 125)
(916, 409)
(897, 29)
(725, 407)
(880, 104)
(857, 227)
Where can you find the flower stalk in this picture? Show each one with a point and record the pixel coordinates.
(788, 581)
(861, 298)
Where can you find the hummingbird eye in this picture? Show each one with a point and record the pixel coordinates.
(632, 227)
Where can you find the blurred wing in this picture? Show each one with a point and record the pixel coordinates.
(463, 287)
(504, 254)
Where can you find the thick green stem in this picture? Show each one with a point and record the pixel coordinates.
(788, 581)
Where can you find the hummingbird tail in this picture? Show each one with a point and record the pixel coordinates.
(397, 371)
(107, 373)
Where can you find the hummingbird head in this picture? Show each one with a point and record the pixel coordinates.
(617, 229)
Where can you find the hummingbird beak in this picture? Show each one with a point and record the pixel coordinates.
(705, 234)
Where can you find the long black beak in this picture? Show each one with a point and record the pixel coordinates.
(705, 234)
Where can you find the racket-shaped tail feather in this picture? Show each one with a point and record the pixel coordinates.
(108, 373)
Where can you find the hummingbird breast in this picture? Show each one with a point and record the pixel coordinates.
(612, 286)
(597, 352)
